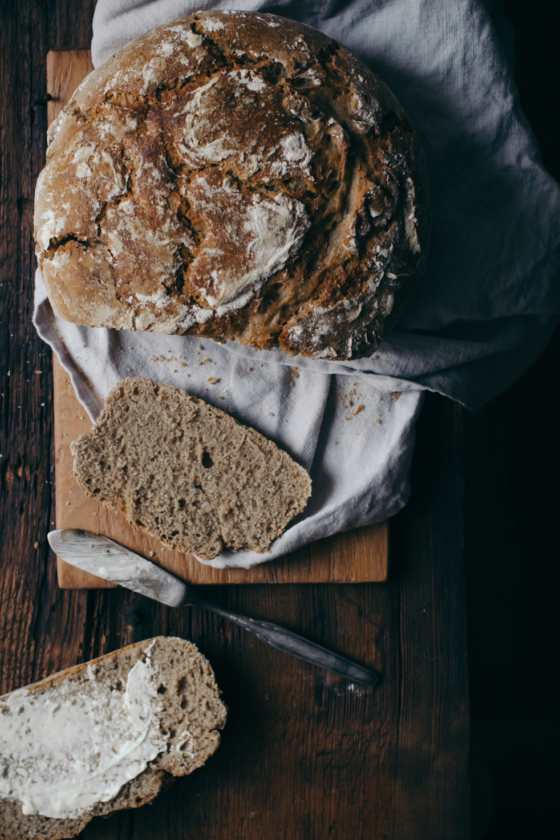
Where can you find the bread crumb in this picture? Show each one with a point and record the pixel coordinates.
(38, 371)
(271, 414)
(395, 395)
(213, 379)
(222, 398)
(182, 364)
(249, 369)
(35, 545)
(294, 372)
(360, 408)
(378, 421)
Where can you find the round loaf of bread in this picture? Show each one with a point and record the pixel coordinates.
(237, 176)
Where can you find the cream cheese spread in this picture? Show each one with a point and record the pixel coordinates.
(77, 744)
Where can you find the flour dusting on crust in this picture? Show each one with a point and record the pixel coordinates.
(237, 176)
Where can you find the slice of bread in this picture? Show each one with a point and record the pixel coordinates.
(189, 712)
(188, 473)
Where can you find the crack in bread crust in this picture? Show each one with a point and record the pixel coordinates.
(236, 176)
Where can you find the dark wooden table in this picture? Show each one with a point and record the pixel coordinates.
(304, 755)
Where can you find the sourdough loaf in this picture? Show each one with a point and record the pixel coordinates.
(186, 710)
(188, 473)
(238, 176)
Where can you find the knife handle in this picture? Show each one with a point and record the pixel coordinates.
(288, 642)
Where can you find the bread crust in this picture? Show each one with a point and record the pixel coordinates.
(191, 669)
(237, 176)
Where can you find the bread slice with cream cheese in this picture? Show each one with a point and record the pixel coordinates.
(105, 735)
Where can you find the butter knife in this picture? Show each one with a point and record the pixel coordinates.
(108, 560)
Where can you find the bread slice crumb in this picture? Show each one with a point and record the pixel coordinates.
(187, 472)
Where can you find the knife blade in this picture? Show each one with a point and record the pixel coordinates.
(107, 559)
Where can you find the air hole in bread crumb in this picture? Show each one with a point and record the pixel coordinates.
(182, 503)
(162, 689)
(207, 461)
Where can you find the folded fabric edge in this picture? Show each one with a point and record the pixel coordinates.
(44, 322)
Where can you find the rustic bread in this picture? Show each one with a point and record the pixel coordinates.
(188, 473)
(189, 713)
(238, 176)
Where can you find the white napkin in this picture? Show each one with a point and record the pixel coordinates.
(481, 315)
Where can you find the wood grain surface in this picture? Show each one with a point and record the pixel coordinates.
(305, 755)
(360, 555)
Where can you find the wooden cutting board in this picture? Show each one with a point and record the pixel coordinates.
(353, 557)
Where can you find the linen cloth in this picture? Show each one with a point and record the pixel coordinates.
(482, 313)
